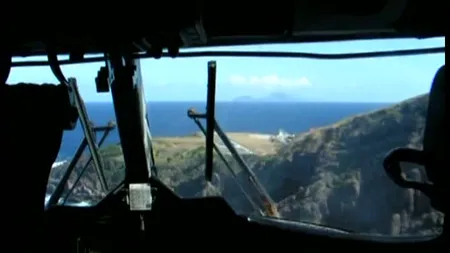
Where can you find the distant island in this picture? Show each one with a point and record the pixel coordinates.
(272, 97)
(331, 175)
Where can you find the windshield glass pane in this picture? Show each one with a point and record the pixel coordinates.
(314, 133)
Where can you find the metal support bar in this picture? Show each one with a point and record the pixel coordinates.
(129, 112)
(125, 80)
(210, 119)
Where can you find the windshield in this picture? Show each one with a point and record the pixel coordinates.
(313, 132)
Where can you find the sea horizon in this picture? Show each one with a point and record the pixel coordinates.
(254, 102)
(169, 119)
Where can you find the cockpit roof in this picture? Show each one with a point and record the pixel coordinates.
(217, 23)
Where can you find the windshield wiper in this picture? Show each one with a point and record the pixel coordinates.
(89, 134)
(191, 114)
(71, 83)
(268, 206)
(305, 226)
(57, 193)
(106, 130)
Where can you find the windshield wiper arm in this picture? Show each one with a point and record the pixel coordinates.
(106, 130)
(89, 134)
(213, 127)
(71, 84)
(309, 227)
(268, 204)
(222, 157)
(56, 195)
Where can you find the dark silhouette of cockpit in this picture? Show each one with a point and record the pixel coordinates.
(143, 213)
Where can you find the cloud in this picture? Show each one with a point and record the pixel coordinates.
(269, 81)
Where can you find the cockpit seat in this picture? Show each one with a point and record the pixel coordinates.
(436, 136)
(32, 121)
(435, 154)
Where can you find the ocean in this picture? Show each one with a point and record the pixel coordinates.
(170, 118)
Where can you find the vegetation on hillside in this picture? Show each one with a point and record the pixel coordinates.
(331, 175)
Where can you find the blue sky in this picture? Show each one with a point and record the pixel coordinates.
(373, 80)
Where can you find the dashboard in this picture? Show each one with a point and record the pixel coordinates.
(111, 227)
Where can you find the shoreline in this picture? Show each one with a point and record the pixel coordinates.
(257, 143)
(260, 135)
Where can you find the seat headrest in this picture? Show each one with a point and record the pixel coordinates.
(436, 135)
(51, 102)
(434, 156)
